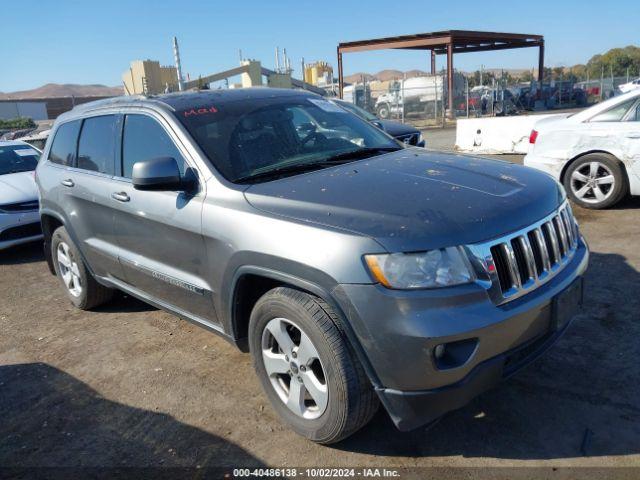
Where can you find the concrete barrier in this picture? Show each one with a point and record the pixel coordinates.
(495, 135)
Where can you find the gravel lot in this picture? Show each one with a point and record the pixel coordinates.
(128, 385)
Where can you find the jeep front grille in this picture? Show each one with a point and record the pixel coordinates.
(522, 261)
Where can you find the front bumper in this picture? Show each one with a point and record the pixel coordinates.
(19, 228)
(400, 330)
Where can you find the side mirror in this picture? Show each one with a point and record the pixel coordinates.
(158, 174)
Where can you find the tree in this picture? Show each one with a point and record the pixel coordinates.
(616, 61)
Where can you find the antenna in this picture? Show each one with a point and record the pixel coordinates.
(176, 55)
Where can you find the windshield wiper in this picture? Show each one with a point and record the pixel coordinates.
(337, 159)
(361, 153)
(276, 172)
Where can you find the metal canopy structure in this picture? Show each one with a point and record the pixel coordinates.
(447, 42)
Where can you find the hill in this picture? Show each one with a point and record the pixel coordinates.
(64, 90)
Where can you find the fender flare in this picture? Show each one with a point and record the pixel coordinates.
(47, 247)
(313, 288)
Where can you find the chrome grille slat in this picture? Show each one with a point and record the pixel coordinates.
(511, 264)
(557, 223)
(568, 224)
(546, 263)
(524, 260)
(551, 232)
(528, 254)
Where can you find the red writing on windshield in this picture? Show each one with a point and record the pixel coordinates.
(200, 111)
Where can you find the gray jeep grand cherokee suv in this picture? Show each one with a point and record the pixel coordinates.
(355, 270)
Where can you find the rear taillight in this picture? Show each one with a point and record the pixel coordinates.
(533, 137)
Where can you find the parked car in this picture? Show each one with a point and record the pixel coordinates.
(19, 217)
(355, 270)
(630, 86)
(37, 139)
(400, 131)
(595, 153)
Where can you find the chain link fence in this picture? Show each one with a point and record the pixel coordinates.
(423, 101)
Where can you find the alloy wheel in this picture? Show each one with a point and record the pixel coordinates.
(69, 270)
(295, 371)
(592, 182)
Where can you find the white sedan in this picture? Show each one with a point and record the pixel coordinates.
(19, 215)
(595, 153)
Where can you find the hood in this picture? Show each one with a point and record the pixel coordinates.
(411, 201)
(396, 129)
(17, 188)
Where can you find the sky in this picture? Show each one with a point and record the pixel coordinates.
(92, 42)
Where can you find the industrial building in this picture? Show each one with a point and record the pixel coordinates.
(148, 76)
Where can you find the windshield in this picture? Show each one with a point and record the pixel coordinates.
(361, 112)
(18, 158)
(245, 139)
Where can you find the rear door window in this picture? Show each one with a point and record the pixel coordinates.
(63, 149)
(97, 144)
(143, 139)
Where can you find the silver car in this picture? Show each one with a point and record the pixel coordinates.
(356, 271)
(19, 216)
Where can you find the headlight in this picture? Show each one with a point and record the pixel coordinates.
(420, 139)
(436, 268)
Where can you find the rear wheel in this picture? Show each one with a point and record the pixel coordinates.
(595, 181)
(82, 289)
(309, 373)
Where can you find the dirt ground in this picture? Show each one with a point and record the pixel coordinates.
(129, 385)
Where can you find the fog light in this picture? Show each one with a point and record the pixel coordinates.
(454, 354)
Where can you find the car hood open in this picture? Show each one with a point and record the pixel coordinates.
(17, 187)
(410, 200)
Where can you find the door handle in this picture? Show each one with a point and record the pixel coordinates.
(633, 135)
(67, 183)
(120, 196)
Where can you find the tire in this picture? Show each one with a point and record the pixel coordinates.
(347, 399)
(80, 286)
(384, 111)
(596, 181)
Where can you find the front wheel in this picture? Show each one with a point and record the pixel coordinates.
(309, 373)
(595, 181)
(384, 111)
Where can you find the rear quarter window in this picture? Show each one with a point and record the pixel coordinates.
(63, 148)
(614, 114)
